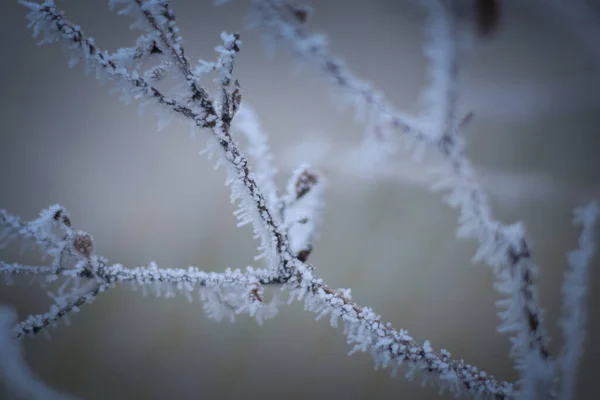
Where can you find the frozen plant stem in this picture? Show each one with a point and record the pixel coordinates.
(363, 327)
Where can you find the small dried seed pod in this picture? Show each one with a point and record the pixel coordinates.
(83, 243)
(305, 181)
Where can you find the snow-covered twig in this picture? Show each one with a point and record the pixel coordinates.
(440, 98)
(281, 20)
(64, 304)
(393, 348)
(234, 292)
(253, 206)
(88, 275)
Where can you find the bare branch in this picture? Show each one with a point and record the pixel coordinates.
(279, 19)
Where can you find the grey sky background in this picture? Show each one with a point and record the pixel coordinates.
(147, 196)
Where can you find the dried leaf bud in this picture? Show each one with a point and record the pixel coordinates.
(236, 98)
(154, 49)
(62, 217)
(304, 253)
(300, 13)
(255, 293)
(305, 181)
(83, 243)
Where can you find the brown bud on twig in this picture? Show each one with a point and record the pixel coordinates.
(255, 294)
(300, 13)
(84, 244)
(236, 98)
(302, 208)
(305, 181)
(304, 253)
(62, 217)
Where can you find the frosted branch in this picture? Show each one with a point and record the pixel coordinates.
(392, 348)
(88, 275)
(441, 48)
(234, 292)
(504, 248)
(253, 205)
(284, 20)
(574, 294)
(19, 269)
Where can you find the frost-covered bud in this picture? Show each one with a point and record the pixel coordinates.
(304, 181)
(301, 12)
(83, 242)
(236, 98)
(256, 293)
(62, 217)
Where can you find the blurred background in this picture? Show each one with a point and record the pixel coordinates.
(147, 196)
